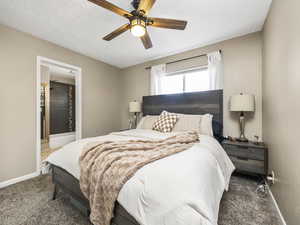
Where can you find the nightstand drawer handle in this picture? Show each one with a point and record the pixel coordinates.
(244, 147)
(242, 158)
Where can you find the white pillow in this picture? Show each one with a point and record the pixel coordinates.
(200, 123)
(139, 126)
(206, 125)
(147, 122)
(188, 123)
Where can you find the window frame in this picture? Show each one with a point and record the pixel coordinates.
(184, 72)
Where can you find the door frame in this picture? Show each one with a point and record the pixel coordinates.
(77, 74)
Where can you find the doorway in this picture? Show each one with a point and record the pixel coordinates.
(58, 106)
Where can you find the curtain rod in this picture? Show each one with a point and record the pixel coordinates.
(180, 60)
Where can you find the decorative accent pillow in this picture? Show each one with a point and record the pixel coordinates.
(165, 122)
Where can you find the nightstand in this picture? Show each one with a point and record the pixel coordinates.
(248, 158)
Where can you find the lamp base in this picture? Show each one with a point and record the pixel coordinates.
(135, 120)
(242, 139)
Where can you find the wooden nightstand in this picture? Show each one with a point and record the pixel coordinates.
(248, 158)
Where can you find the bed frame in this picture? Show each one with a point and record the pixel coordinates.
(187, 103)
(70, 185)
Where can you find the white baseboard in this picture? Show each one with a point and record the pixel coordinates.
(18, 179)
(277, 207)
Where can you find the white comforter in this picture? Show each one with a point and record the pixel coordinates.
(182, 189)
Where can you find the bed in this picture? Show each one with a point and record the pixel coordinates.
(159, 193)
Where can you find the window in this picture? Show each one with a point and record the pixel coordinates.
(186, 81)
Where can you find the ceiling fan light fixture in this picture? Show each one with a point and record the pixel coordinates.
(138, 27)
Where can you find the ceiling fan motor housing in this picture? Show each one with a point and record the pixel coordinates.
(137, 20)
(143, 20)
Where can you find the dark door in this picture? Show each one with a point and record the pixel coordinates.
(62, 108)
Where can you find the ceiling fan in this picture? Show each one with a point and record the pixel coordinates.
(139, 20)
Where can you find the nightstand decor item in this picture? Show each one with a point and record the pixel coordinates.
(135, 108)
(242, 103)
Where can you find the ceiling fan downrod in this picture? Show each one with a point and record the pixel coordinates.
(135, 4)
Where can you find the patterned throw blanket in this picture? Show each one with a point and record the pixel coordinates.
(106, 166)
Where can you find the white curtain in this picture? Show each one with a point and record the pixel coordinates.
(157, 73)
(215, 70)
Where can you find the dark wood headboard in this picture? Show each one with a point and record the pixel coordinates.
(196, 103)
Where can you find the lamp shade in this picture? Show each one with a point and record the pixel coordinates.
(134, 107)
(242, 103)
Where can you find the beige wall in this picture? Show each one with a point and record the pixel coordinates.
(281, 106)
(242, 68)
(18, 53)
(45, 74)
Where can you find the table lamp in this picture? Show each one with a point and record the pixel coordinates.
(135, 107)
(242, 103)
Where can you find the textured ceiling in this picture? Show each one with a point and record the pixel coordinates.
(79, 25)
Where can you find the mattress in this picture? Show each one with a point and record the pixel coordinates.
(185, 188)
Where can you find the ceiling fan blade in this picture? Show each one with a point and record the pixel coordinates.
(112, 7)
(146, 5)
(117, 32)
(168, 23)
(146, 41)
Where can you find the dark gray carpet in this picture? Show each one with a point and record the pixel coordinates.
(29, 203)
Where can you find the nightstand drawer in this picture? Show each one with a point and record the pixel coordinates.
(248, 165)
(245, 152)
